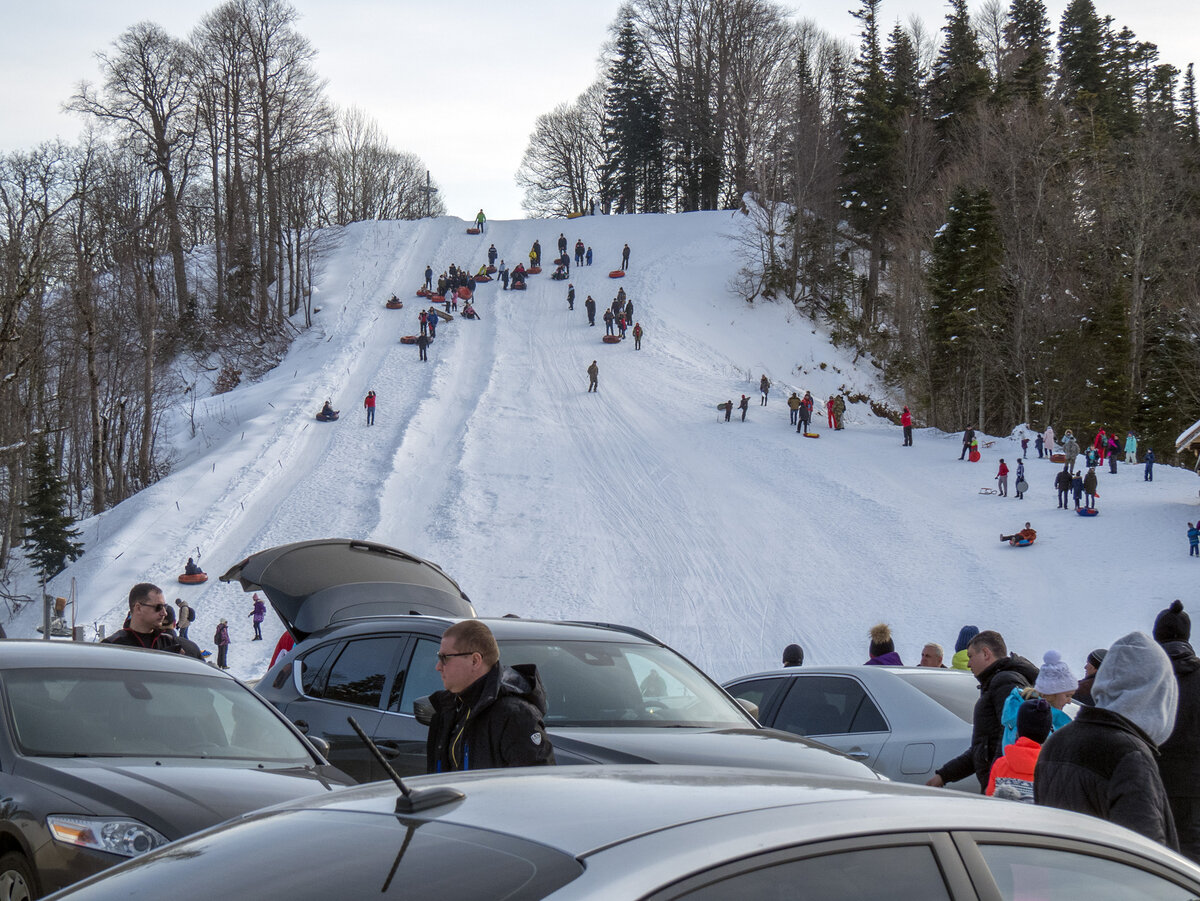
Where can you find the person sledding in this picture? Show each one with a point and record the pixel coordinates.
(468, 311)
(192, 568)
(517, 278)
(1026, 536)
(560, 274)
(328, 413)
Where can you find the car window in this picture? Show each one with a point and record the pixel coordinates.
(111, 713)
(419, 679)
(600, 683)
(958, 695)
(312, 666)
(358, 674)
(758, 692)
(1049, 874)
(904, 871)
(828, 705)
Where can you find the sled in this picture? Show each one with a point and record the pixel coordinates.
(442, 315)
(464, 293)
(517, 286)
(1018, 542)
(491, 270)
(194, 579)
(611, 339)
(395, 305)
(473, 231)
(320, 417)
(1087, 511)
(810, 435)
(1022, 486)
(617, 273)
(1058, 458)
(59, 628)
(534, 270)
(424, 292)
(438, 298)
(987, 444)
(409, 339)
(987, 491)
(973, 456)
(559, 276)
(482, 278)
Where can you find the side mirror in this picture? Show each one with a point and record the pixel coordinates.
(423, 711)
(749, 706)
(320, 744)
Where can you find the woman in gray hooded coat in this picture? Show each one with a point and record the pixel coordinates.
(1105, 762)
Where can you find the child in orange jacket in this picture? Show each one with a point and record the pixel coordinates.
(1012, 774)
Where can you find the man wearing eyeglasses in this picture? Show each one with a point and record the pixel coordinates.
(147, 611)
(488, 715)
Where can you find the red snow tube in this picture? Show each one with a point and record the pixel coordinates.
(973, 456)
(423, 292)
(611, 339)
(482, 278)
(517, 286)
(472, 231)
(617, 273)
(1058, 458)
(437, 298)
(533, 270)
(464, 293)
(491, 270)
(409, 339)
(193, 580)
(395, 305)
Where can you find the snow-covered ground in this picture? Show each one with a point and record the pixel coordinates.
(636, 504)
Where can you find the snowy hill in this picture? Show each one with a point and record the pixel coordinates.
(636, 504)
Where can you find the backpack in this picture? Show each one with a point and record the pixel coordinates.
(217, 635)
(191, 614)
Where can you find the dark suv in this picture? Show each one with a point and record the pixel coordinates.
(614, 694)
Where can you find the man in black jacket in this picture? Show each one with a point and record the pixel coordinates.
(1062, 484)
(147, 612)
(488, 715)
(1179, 755)
(998, 674)
(1104, 762)
(968, 437)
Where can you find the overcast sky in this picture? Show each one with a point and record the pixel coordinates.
(458, 82)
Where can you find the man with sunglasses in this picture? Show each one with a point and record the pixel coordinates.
(147, 613)
(488, 715)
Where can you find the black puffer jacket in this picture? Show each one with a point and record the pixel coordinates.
(995, 685)
(496, 722)
(1104, 765)
(1179, 755)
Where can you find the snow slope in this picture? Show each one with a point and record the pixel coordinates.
(636, 504)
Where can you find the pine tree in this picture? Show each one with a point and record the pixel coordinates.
(633, 129)
(47, 526)
(959, 79)
(1026, 70)
(1191, 128)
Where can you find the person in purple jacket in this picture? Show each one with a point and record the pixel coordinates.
(883, 650)
(259, 613)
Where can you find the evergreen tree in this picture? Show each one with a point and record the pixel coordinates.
(959, 79)
(1191, 127)
(46, 524)
(633, 129)
(1025, 73)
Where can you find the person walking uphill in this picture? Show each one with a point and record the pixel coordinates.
(793, 403)
(369, 404)
(593, 372)
(1104, 763)
(625, 257)
(221, 640)
(487, 715)
(764, 386)
(744, 406)
(1002, 478)
(259, 613)
(1179, 755)
(998, 674)
(590, 306)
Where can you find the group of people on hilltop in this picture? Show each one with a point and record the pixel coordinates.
(800, 409)
(1130, 755)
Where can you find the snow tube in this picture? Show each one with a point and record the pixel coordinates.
(464, 293)
(472, 231)
(973, 456)
(617, 273)
(320, 417)
(517, 286)
(559, 276)
(1087, 511)
(1058, 458)
(1021, 542)
(437, 298)
(395, 305)
(534, 270)
(409, 339)
(424, 292)
(193, 580)
(612, 339)
(491, 270)
(482, 278)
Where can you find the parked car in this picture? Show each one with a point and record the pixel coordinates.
(903, 722)
(108, 752)
(614, 695)
(654, 832)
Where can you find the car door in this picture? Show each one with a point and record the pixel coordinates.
(398, 734)
(353, 678)
(835, 710)
(762, 693)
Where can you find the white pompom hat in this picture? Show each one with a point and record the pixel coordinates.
(1055, 676)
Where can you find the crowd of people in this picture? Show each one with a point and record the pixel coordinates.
(1127, 750)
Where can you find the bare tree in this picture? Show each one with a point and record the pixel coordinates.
(560, 171)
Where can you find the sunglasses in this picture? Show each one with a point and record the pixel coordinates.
(442, 658)
(157, 607)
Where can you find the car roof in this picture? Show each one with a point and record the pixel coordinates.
(503, 628)
(39, 653)
(582, 810)
(861, 670)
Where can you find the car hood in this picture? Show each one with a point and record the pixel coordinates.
(312, 584)
(175, 800)
(766, 749)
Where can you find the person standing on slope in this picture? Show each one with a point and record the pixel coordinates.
(637, 336)
(590, 306)
(589, 256)
(1149, 476)
(579, 249)
(570, 297)
(744, 406)
(537, 252)
(625, 258)
(1062, 484)
(1130, 448)
(428, 278)
(764, 386)
(1077, 488)
(593, 372)
(968, 437)
(793, 403)
(829, 410)
(562, 245)
(1002, 478)
(492, 254)
(906, 424)
(480, 219)
(369, 404)
(1089, 488)
(839, 412)
(1021, 483)
(608, 322)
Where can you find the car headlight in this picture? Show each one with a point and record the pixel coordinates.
(128, 838)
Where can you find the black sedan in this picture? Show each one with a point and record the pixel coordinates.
(109, 752)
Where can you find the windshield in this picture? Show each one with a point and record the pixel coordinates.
(603, 683)
(112, 713)
(957, 694)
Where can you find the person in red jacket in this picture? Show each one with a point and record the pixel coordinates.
(829, 410)
(369, 403)
(1012, 774)
(1002, 478)
(906, 421)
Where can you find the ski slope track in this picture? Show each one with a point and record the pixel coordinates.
(636, 504)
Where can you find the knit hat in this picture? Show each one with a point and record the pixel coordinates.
(881, 640)
(1097, 657)
(965, 634)
(1173, 624)
(1055, 675)
(793, 655)
(1034, 720)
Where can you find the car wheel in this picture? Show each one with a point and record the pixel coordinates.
(16, 878)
